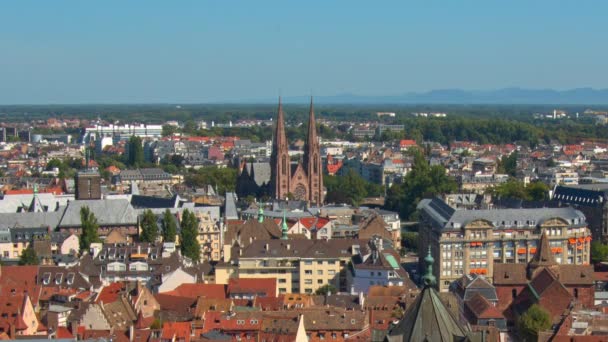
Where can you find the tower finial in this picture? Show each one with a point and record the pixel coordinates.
(261, 215)
(284, 227)
(429, 278)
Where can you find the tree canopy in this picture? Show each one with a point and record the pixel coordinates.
(29, 257)
(189, 236)
(135, 152)
(88, 223)
(169, 227)
(222, 178)
(149, 227)
(512, 188)
(423, 180)
(599, 252)
(533, 321)
(350, 188)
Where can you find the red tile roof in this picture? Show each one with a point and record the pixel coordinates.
(179, 330)
(19, 280)
(407, 143)
(262, 286)
(63, 332)
(217, 291)
(110, 293)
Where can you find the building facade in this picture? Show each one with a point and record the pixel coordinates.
(300, 266)
(472, 241)
(304, 180)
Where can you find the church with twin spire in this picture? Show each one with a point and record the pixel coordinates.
(301, 180)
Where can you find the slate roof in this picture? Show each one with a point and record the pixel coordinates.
(31, 220)
(427, 319)
(108, 212)
(261, 172)
(141, 201)
(444, 217)
(335, 248)
(482, 308)
(589, 195)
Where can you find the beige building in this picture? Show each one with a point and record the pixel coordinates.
(471, 241)
(300, 266)
(208, 237)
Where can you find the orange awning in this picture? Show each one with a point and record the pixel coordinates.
(588, 238)
(579, 247)
(556, 249)
(572, 241)
(581, 239)
(521, 251)
(533, 250)
(484, 271)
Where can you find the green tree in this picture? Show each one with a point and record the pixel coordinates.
(88, 223)
(149, 227)
(409, 240)
(29, 257)
(599, 252)
(537, 191)
(423, 180)
(222, 178)
(533, 321)
(512, 188)
(169, 227)
(189, 236)
(508, 164)
(325, 290)
(136, 152)
(350, 188)
(169, 130)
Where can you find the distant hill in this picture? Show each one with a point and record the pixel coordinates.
(576, 96)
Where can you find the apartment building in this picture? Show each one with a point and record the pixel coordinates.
(209, 236)
(471, 241)
(300, 266)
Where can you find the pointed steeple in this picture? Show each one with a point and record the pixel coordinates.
(311, 136)
(312, 160)
(429, 278)
(284, 227)
(427, 318)
(543, 256)
(35, 206)
(279, 159)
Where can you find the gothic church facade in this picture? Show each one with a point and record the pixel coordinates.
(302, 180)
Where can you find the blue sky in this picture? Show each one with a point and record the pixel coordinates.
(208, 51)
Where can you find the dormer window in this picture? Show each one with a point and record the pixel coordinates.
(46, 278)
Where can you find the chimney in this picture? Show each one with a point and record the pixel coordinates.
(266, 247)
(288, 246)
(131, 333)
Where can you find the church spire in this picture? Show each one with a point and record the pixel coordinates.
(279, 159)
(312, 160)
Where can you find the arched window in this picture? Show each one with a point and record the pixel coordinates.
(284, 166)
(316, 164)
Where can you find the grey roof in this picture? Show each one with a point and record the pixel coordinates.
(107, 212)
(427, 319)
(12, 203)
(589, 195)
(302, 248)
(261, 172)
(231, 212)
(30, 220)
(445, 217)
